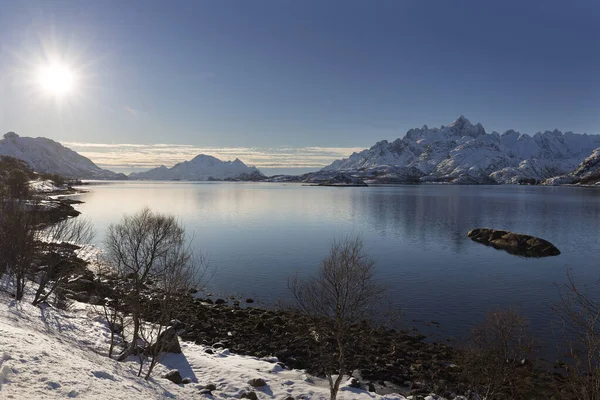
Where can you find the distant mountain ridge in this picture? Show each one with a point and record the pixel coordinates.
(47, 156)
(464, 153)
(587, 173)
(202, 168)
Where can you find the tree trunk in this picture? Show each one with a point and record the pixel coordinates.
(136, 317)
(112, 343)
(20, 288)
(333, 390)
(153, 362)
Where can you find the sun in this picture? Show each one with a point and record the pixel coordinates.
(56, 79)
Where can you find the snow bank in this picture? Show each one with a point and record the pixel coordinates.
(44, 186)
(48, 354)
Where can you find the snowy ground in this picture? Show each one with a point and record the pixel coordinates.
(48, 354)
(44, 186)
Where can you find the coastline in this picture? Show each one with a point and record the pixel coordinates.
(404, 362)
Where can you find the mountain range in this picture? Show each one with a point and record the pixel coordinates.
(47, 156)
(587, 173)
(460, 153)
(464, 153)
(202, 168)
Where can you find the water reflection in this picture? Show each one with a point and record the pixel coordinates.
(257, 235)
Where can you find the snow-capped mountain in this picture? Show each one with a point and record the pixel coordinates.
(464, 153)
(202, 168)
(48, 156)
(587, 173)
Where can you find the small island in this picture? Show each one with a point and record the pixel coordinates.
(514, 243)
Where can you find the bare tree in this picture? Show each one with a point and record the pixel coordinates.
(33, 250)
(112, 307)
(17, 184)
(580, 314)
(17, 243)
(494, 361)
(160, 337)
(147, 247)
(343, 293)
(55, 246)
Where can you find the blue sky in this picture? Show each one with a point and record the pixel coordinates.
(331, 75)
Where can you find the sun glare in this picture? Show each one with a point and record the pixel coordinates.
(56, 79)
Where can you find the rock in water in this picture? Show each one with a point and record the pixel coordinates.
(514, 243)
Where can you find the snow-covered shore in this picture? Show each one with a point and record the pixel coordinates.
(47, 353)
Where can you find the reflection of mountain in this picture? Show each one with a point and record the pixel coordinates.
(428, 215)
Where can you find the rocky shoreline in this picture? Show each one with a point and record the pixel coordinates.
(385, 360)
(383, 357)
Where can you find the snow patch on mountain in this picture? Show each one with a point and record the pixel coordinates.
(586, 173)
(202, 168)
(47, 156)
(464, 153)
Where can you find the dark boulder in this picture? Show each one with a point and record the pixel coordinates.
(257, 382)
(514, 243)
(174, 376)
(168, 341)
(249, 395)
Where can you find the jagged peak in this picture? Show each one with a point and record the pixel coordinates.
(10, 135)
(460, 122)
(383, 142)
(463, 127)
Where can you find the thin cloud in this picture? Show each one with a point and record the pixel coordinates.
(134, 112)
(146, 156)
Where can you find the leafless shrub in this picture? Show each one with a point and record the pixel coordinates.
(17, 243)
(31, 250)
(161, 336)
(151, 247)
(111, 308)
(17, 184)
(494, 364)
(59, 263)
(580, 314)
(343, 293)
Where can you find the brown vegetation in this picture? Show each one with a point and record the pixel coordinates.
(342, 294)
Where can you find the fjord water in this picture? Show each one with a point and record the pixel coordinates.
(257, 235)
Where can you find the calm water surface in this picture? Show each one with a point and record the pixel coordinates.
(257, 235)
